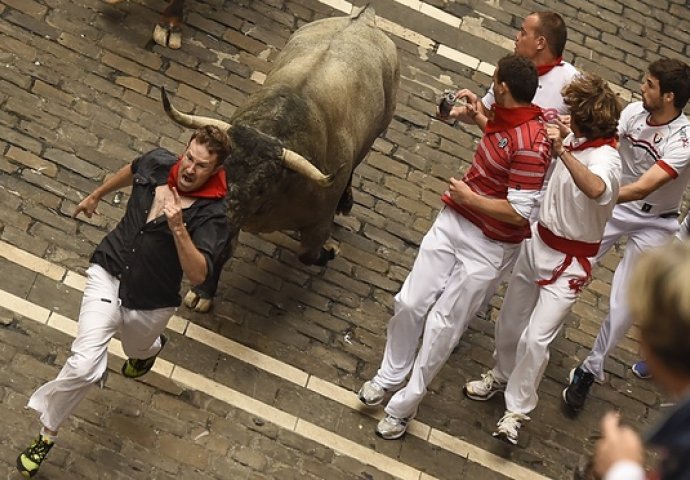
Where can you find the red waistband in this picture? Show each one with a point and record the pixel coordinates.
(567, 246)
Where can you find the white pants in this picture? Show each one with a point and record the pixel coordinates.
(455, 265)
(530, 319)
(644, 231)
(506, 273)
(100, 317)
(684, 232)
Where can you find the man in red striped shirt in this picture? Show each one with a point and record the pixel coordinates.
(474, 237)
(556, 262)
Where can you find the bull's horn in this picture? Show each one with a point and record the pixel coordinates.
(295, 161)
(190, 121)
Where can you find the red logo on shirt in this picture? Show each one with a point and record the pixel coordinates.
(549, 114)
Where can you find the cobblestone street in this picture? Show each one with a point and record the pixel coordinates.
(263, 386)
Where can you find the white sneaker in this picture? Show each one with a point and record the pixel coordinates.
(485, 388)
(509, 425)
(371, 393)
(390, 427)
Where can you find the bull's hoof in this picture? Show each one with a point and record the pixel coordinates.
(327, 254)
(203, 305)
(191, 299)
(168, 36)
(196, 302)
(346, 202)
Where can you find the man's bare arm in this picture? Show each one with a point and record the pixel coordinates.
(120, 179)
(497, 208)
(649, 182)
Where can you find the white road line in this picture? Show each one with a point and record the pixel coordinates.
(32, 262)
(264, 362)
(191, 380)
(471, 26)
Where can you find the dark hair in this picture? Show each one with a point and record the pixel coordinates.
(520, 74)
(215, 140)
(660, 303)
(674, 77)
(552, 27)
(594, 108)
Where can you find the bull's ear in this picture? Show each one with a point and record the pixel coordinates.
(190, 121)
(296, 162)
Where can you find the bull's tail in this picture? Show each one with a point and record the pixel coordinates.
(366, 13)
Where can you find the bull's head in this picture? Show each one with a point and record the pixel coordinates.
(292, 160)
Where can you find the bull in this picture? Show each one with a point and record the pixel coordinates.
(168, 30)
(297, 140)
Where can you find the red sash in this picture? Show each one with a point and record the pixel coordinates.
(573, 249)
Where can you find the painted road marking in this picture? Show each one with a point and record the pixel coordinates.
(471, 26)
(259, 360)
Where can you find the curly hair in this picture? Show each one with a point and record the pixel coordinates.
(215, 140)
(594, 108)
(659, 300)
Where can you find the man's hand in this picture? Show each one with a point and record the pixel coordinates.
(469, 110)
(563, 124)
(88, 206)
(618, 443)
(468, 95)
(173, 212)
(565, 121)
(460, 192)
(554, 133)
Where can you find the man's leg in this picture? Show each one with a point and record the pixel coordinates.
(99, 317)
(532, 355)
(518, 303)
(618, 321)
(520, 299)
(544, 322)
(142, 338)
(434, 264)
(480, 262)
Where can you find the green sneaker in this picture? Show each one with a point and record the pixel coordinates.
(29, 461)
(135, 368)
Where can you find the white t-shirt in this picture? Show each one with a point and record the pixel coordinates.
(548, 95)
(566, 210)
(643, 145)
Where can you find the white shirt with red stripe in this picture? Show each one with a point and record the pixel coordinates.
(643, 145)
(548, 95)
(566, 211)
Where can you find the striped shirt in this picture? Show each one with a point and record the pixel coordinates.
(516, 158)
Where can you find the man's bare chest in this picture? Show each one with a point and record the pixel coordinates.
(162, 197)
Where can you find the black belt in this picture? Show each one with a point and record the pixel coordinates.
(647, 207)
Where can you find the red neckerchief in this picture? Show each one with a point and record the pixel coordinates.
(505, 118)
(215, 187)
(597, 142)
(544, 69)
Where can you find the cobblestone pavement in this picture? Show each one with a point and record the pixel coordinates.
(262, 387)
